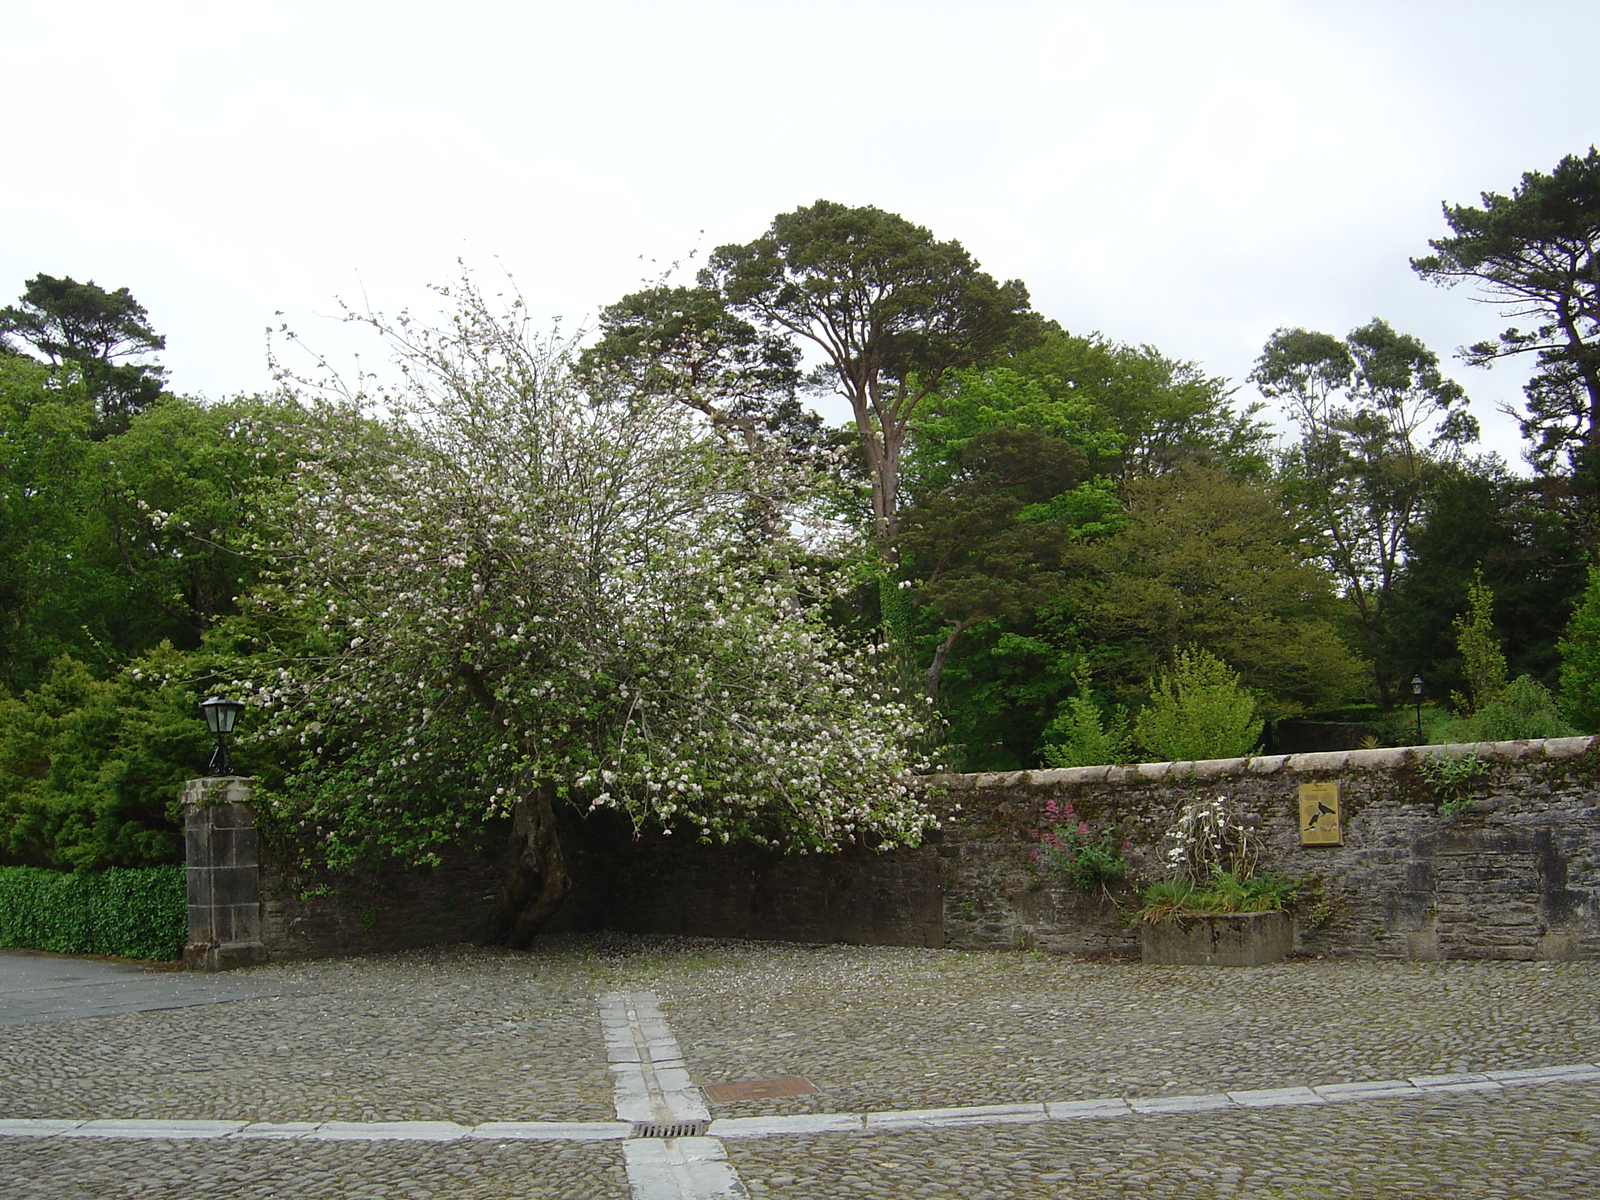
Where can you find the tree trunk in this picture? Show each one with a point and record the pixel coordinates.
(930, 679)
(538, 879)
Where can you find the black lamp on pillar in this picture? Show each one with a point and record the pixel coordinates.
(1416, 694)
(220, 717)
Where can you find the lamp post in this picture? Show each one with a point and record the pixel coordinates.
(220, 715)
(1416, 692)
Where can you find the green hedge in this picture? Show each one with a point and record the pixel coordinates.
(133, 912)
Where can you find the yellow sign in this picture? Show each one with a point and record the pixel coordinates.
(1319, 814)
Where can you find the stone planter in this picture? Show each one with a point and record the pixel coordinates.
(1217, 939)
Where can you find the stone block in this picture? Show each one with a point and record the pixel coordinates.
(222, 875)
(1217, 940)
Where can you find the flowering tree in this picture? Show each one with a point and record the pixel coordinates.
(524, 594)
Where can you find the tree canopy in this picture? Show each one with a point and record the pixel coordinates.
(91, 329)
(1534, 254)
(890, 308)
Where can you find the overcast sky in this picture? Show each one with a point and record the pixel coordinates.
(1191, 175)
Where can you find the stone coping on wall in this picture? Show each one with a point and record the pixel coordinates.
(1385, 759)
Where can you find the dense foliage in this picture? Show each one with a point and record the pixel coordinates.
(137, 913)
(634, 571)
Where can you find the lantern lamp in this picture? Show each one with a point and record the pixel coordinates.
(220, 717)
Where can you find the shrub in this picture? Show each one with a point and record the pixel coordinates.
(1482, 660)
(1580, 659)
(1079, 736)
(1199, 710)
(1070, 851)
(91, 769)
(1523, 708)
(1452, 780)
(125, 912)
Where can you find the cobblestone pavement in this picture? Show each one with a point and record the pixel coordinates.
(1544, 1144)
(472, 1035)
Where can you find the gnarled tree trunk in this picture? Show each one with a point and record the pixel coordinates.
(538, 879)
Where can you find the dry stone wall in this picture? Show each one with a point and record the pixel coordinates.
(1512, 876)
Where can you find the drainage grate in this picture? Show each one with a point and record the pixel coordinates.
(673, 1129)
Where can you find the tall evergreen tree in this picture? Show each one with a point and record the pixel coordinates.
(93, 330)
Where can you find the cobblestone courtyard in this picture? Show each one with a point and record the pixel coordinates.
(1186, 1067)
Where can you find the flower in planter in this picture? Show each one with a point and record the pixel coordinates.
(1213, 860)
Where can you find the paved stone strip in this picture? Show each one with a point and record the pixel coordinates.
(653, 1086)
(692, 1151)
(647, 1068)
(1417, 1087)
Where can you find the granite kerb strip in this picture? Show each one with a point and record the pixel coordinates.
(324, 1131)
(1415, 1087)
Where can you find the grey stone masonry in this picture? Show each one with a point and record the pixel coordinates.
(1510, 871)
(223, 874)
(1506, 867)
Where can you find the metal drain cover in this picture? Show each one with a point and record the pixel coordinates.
(673, 1129)
(758, 1089)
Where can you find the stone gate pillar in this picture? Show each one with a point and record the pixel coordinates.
(223, 872)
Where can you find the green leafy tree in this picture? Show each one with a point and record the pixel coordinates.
(1580, 659)
(1481, 518)
(1483, 662)
(1377, 422)
(1534, 254)
(44, 580)
(92, 330)
(1141, 412)
(891, 310)
(1198, 710)
(1131, 414)
(178, 504)
(113, 546)
(1213, 562)
(529, 595)
(1081, 734)
(988, 544)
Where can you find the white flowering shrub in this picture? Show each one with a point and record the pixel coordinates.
(512, 589)
(1207, 840)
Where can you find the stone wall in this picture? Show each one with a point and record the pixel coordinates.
(1515, 875)
(659, 883)
(318, 914)
(250, 900)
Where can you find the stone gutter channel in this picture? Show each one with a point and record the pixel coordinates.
(673, 1150)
